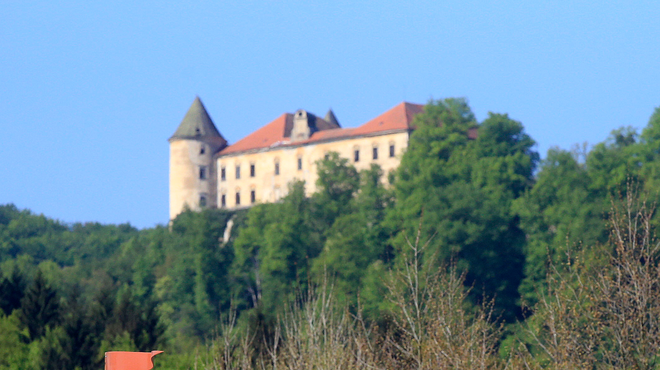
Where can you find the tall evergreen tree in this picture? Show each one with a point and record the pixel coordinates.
(82, 338)
(12, 289)
(40, 307)
(140, 320)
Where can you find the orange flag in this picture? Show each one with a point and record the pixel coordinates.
(129, 360)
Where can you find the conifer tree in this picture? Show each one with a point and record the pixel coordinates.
(40, 307)
(12, 289)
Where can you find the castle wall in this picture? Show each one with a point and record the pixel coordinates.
(270, 187)
(187, 162)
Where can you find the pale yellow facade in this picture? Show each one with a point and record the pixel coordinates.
(264, 175)
(206, 172)
(192, 176)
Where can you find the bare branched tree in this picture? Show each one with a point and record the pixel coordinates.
(605, 313)
(435, 327)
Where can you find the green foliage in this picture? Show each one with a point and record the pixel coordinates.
(80, 342)
(337, 183)
(40, 308)
(274, 250)
(12, 289)
(463, 191)
(13, 348)
(70, 292)
(612, 163)
(559, 212)
(356, 239)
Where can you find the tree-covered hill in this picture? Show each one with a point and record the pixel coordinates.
(485, 212)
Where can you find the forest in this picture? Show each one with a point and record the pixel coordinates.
(475, 253)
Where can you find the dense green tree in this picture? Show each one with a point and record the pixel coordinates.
(336, 184)
(40, 308)
(356, 239)
(649, 154)
(194, 262)
(558, 213)
(613, 163)
(81, 339)
(139, 320)
(12, 289)
(14, 350)
(275, 249)
(459, 193)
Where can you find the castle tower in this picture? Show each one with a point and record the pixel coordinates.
(192, 168)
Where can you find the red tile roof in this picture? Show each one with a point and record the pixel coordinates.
(269, 135)
(278, 131)
(397, 118)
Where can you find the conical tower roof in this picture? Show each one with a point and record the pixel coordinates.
(331, 119)
(197, 125)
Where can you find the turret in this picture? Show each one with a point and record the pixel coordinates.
(192, 168)
(331, 119)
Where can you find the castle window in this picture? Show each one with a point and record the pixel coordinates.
(238, 198)
(252, 170)
(299, 163)
(202, 200)
(223, 200)
(391, 150)
(356, 155)
(223, 174)
(238, 171)
(375, 153)
(253, 196)
(202, 173)
(202, 150)
(277, 168)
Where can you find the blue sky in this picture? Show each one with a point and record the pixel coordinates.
(90, 91)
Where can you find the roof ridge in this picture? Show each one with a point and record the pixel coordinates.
(395, 119)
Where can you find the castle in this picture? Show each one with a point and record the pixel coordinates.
(205, 171)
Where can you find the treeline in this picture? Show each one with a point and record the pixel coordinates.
(473, 246)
